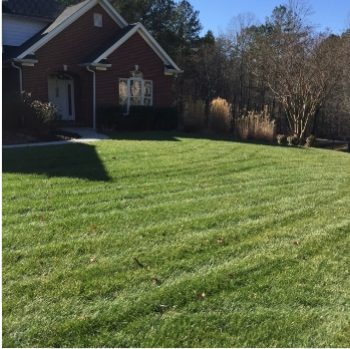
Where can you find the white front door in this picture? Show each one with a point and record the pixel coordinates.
(61, 94)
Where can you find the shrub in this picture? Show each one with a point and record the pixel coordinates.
(220, 119)
(21, 112)
(166, 119)
(107, 116)
(293, 140)
(44, 112)
(256, 126)
(310, 141)
(140, 118)
(281, 139)
(194, 118)
(41, 119)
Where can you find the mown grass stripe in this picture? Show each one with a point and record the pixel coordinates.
(262, 231)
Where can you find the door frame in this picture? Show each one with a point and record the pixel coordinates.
(67, 81)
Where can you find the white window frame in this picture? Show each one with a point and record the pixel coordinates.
(142, 81)
(98, 20)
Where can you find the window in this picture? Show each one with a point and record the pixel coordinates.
(135, 91)
(98, 20)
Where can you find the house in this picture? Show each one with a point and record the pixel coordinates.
(82, 56)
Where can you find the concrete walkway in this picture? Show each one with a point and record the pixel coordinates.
(87, 135)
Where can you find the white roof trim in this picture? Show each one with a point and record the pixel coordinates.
(149, 40)
(88, 6)
(26, 60)
(106, 5)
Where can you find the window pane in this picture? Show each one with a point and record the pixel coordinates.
(97, 20)
(135, 88)
(123, 91)
(135, 100)
(148, 88)
(135, 92)
(147, 101)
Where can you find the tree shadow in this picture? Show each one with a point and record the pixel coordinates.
(177, 135)
(166, 136)
(143, 135)
(70, 160)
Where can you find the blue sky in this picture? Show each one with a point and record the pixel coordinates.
(216, 14)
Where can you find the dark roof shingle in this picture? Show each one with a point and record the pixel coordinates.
(91, 57)
(46, 9)
(66, 13)
(10, 52)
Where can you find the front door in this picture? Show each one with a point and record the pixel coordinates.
(61, 94)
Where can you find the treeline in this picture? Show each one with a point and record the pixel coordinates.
(301, 75)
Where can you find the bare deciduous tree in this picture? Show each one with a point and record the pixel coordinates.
(302, 66)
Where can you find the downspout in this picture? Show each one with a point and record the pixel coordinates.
(20, 76)
(93, 96)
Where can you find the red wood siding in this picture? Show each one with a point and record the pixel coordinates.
(123, 60)
(70, 48)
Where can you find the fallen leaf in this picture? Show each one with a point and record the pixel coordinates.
(220, 241)
(160, 308)
(201, 296)
(138, 263)
(156, 281)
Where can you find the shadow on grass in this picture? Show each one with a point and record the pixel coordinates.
(166, 136)
(177, 135)
(72, 161)
(143, 136)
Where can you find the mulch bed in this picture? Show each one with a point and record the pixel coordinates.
(333, 144)
(23, 137)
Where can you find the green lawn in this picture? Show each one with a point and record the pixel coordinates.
(176, 241)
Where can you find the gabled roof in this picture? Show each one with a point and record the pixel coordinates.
(44, 9)
(67, 17)
(68, 11)
(126, 34)
(92, 57)
(70, 15)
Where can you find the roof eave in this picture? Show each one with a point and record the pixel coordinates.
(20, 60)
(171, 72)
(96, 65)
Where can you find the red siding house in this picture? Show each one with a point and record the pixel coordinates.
(82, 56)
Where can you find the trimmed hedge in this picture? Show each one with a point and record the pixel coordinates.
(166, 119)
(107, 115)
(140, 118)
